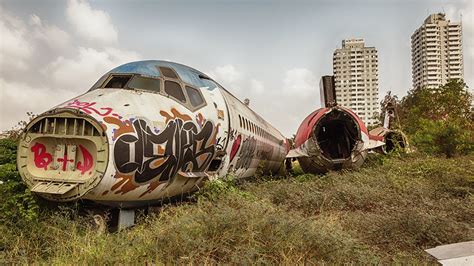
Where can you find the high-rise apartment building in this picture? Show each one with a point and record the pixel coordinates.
(436, 52)
(356, 78)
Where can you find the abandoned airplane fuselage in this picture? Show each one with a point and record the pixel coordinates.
(146, 131)
(332, 138)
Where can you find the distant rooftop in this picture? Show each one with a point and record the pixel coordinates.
(348, 43)
(434, 18)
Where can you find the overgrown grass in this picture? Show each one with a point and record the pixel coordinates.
(387, 212)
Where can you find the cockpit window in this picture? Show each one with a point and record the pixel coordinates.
(209, 83)
(194, 96)
(168, 72)
(174, 90)
(144, 83)
(118, 81)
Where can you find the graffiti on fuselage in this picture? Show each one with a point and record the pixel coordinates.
(235, 147)
(42, 159)
(181, 146)
(89, 108)
(265, 152)
(247, 153)
(144, 154)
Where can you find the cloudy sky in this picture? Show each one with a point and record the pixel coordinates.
(273, 52)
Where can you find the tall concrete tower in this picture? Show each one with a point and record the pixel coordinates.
(356, 78)
(436, 52)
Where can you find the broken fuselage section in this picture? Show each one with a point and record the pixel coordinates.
(330, 139)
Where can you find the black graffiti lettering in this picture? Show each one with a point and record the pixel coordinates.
(183, 147)
(247, 153)
(191, 152)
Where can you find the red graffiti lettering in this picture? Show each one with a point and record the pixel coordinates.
(88, 160)
(64, 160)
(235, 147)
(89, 107)
(41, 158)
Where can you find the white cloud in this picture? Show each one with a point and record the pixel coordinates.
(20, 42)
(91, 24)
(300, 82)
(66, 67)
(18, 98)
(257, 86)
(228, 76)
(79, 73)
(15, 49)
(54, 37)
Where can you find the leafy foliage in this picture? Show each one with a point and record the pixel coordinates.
(387, 212)
(17, 204)
(439, 121)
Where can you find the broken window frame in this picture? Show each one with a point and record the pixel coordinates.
(183, 85)
(203, 103)
(111, 76)
(144, 89)
(100, 84)
(183, 102)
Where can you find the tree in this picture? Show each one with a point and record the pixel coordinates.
(439, 120)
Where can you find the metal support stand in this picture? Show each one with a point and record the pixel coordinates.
(126, 219)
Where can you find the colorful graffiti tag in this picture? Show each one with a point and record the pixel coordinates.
(235, 147)
(247, 153)
(145, 155)
(42, 158)
(180, 146)
(88, 161)
(90, 108)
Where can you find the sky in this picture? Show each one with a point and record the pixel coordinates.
(272, 52)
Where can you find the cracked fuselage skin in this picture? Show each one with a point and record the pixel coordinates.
(146, 131)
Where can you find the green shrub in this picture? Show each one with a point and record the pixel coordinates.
(385, 213)
(17, 204)
(440, 120)
(447, 137)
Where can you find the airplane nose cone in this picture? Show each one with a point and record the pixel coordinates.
(62, 154)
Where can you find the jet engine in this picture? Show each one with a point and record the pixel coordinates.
(330, 139)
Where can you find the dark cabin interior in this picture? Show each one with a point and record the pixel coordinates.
(336, 134)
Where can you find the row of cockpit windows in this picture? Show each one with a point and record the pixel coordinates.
(172, 85)
(250, 126)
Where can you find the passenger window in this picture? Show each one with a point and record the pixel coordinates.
(168, 72)
(118, 81)
(149, 84)
(174, 90)
(194, 96)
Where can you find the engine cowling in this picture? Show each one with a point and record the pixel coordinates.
(330, 139)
